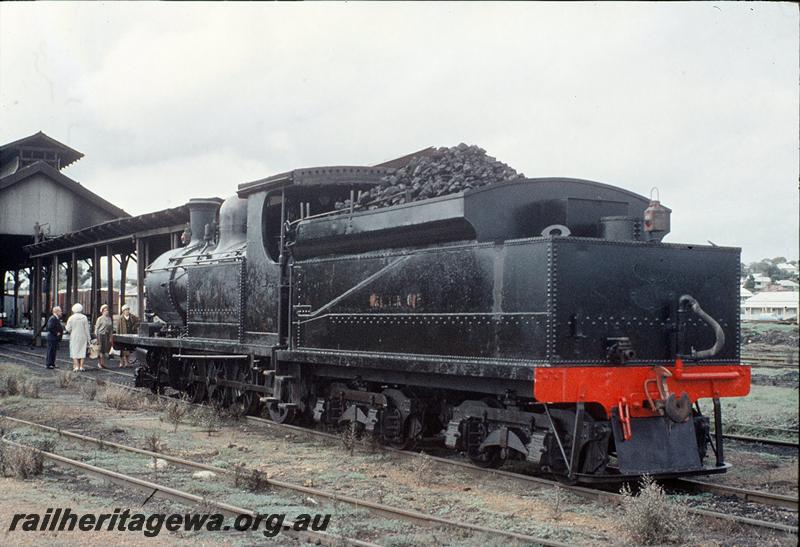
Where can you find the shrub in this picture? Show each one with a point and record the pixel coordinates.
(175, 412)
(10, 384)
(23, 462)
(89, 391)
(207, 419)
(651, 518)
(120, 398)
(64, 378)
(31, 387)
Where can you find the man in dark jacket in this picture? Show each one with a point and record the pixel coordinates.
(55, 330)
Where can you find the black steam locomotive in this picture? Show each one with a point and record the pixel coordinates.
(533, 319)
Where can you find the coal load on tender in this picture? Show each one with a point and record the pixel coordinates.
(444, 171)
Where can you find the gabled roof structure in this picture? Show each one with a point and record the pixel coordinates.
(58, 176)
(34, 145)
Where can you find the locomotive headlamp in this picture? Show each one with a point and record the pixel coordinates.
(656, 216)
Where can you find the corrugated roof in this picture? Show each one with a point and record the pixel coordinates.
(788, 299)
(119, 227)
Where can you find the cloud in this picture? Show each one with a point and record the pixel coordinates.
(698, 99)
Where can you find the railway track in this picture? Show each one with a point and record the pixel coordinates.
(771, 359)
(378, 509)
(581, 491)
(761, 440)
(162, 491)
(755, 496)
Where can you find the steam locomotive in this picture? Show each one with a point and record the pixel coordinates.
(533, 319)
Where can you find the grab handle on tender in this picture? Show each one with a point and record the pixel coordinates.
(718, 332)
(679, 374)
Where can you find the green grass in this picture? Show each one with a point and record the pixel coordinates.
(765, 407)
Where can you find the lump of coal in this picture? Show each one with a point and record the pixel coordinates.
(445, 171)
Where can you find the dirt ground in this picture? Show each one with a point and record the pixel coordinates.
(419, 484)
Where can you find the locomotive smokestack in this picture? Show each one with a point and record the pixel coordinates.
(202, 212)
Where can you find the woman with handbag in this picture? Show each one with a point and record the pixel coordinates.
(78, 329)
(103, 329)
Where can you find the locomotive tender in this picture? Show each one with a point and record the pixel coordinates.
(533, 319)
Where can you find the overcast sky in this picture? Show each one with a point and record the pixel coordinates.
(173, 101)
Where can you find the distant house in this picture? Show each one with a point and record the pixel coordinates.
(786, 267)
(772, 306)
(744, 294)
(761, 282)
(788, 284)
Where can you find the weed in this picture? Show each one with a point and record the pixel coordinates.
(349, 437)
(153, 443)
(24, 462)
(235, 411)
(239, 471)
(10, 384)
(175, 412)
(89, 391)
(423, 474)
(558, 500)
(120, 398)
(31, 387)
(64, 378)
(207, 419)
(650, 518)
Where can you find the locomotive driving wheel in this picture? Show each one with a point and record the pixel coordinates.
(216, 392)
(195, 389)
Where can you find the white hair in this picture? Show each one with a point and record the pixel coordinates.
(77, 308)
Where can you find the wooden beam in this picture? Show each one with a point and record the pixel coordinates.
(3, 293)
(16, 299)
(96, 283)
(132, 237)
(123, 278)
(54, 282)
(110, 280)
(36, 311)
(141, 264)
(72, 282)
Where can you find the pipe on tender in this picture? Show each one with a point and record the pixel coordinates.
(718, 332)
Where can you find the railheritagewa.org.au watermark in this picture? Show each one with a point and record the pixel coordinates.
(151, 525)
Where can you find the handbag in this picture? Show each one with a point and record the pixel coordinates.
(94, 350)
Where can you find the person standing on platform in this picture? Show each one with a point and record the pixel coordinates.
(127, 323)
(78, 329)
(55, 330)
(103, 329)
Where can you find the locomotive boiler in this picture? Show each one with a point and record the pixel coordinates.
(533, 319)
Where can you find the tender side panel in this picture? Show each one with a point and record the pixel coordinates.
(471, 301)
(605, 290)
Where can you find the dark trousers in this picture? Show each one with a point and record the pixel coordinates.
(52, 348)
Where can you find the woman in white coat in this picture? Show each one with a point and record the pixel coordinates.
(78, 329)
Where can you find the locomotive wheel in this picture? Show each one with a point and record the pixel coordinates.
(284, 415)
(391, 418)
(281, 415)
(216, 392)
(247, 400)
(490, 458)
(195, 390)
